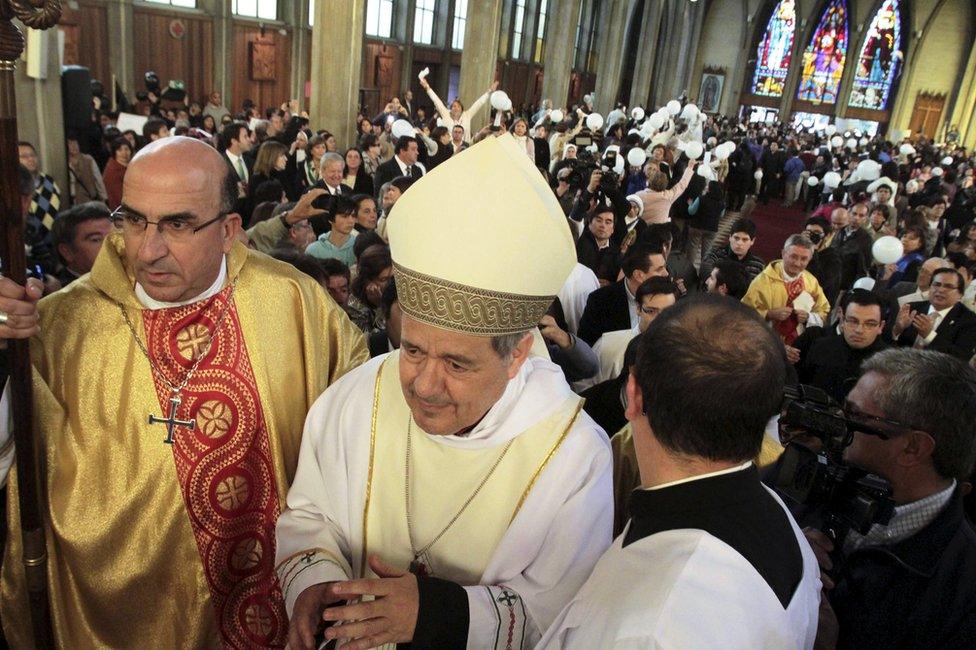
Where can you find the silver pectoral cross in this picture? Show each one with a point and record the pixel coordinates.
(171, 422)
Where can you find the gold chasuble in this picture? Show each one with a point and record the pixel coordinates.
(466, 547)
(172, 545)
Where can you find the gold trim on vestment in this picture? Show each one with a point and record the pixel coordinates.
(462, 308)
(369, 472)
(545, 461)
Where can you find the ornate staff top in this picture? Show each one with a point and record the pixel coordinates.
(37, 14)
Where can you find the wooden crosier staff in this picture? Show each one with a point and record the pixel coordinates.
(38, 14)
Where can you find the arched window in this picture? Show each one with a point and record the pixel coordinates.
(879, 63)
(775, 50)
(823, 60)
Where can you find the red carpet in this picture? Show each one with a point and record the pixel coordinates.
(774, 224)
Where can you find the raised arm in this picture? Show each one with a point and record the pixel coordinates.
(438, 104)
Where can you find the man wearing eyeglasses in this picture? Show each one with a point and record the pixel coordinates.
(833, 363)
(169, 404)
(940, 323)
(912, 582)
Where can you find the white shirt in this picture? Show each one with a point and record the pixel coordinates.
(631, 304)
(939, 316)
(237, 162)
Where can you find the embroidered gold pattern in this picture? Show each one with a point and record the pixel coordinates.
(467, 309)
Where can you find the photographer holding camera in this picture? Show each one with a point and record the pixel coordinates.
(912, 582)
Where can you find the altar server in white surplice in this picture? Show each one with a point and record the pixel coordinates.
(710, 558)
(455, 485)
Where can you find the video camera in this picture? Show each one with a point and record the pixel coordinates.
(816, 475)
(586, 163)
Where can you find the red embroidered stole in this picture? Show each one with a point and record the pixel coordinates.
(225, 467)
(788, 328)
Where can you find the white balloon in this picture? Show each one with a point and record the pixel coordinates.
(497, 100)
(614, 116)
(813, 181)
(636, 156)
(401, 128)
(758, 175)
(706, 172)
(556, 116)
(689, 112)
(865, 283)
(594, 121)
(906, 150)
(851, 143)
(637, 113)
(722, 152)
(694, 150)
(831, 180)
(937, 171)
(654, 122)
(863, 141)
(506, 105)
(830, 130)
(868, 170)
(674, 107)
(837, 142)
(887, 250)
(947, 160)
(633, 131)
(618, 165)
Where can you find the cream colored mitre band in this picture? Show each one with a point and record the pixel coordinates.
(461, 308)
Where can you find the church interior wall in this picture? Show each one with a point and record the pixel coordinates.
(188, 58)
(247, 84)
(722, 47)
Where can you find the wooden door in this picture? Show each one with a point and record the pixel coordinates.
(926, 114)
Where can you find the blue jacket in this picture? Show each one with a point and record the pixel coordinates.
(794, 167)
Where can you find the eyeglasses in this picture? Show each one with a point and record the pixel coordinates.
(174, 228)
(854, 323)
(941, 285)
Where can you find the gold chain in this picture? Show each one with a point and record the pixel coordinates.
(416, 553)
(206, 349)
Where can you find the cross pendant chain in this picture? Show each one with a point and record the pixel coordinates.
(420, 566)
(171, 422)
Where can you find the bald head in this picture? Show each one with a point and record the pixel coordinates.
(929, 267)
(181, 165)
(839, 218)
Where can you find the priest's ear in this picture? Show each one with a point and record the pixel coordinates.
(520, 353)
(232, 231)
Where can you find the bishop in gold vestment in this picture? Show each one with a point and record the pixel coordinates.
(163, 545)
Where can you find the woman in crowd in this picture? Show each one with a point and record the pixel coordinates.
(370, 151)
(520, 130)
(375, 271)
(270, 163)
(308, 170)
(354, 174)
(365, 130)
(906, 268)
(442, 137)
(366, 213)
(209, 124)
(658, 199)
(114, 172)
(705, 213)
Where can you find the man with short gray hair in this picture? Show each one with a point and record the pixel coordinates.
(786, 294)
(912, 582)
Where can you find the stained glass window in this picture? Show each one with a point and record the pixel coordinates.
(878, 64)
(823, 60)
(773, 56)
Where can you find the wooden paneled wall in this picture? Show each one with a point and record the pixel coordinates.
(86, 39)
(380, 73)
(189, 59)
(266, 93)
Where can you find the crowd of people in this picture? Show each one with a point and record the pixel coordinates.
(677, 336)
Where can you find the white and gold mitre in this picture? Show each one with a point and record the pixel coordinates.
(480, 244)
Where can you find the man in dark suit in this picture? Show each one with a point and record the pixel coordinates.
(940, 323)
(853, 244)
(403, 163)
(234, 141)
(614, 306)
(331, 169)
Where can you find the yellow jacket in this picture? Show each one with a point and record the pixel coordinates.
(768, 291)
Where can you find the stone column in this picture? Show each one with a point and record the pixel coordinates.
(336, 79)
(223, 63)
(121, 61)
(612, 29)
(964, 111)
(640, 89)
(406, 58)
(40, 116)
(558, 56)
(480, 54)
(300, 37)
